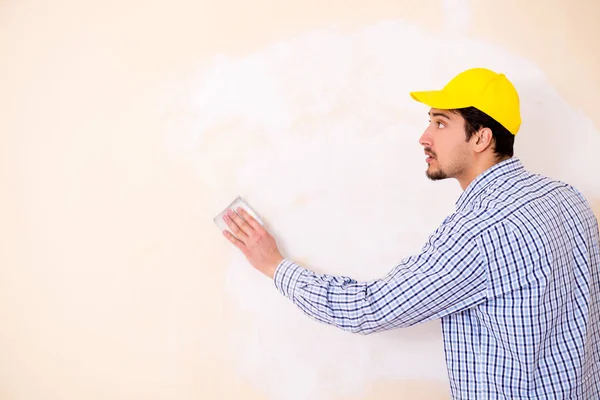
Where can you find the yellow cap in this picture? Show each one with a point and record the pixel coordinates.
(481, 88)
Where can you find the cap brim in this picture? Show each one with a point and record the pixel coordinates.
(438, 99)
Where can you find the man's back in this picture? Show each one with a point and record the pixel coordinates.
(536, 336)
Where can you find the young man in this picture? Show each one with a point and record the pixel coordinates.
(513, 273)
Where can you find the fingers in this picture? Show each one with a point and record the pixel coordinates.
(246, 229)
(250, 220)
(235, 241)
(237, 225)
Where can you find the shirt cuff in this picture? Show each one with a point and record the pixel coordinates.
(287, 275)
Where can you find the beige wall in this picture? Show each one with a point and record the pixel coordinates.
(114, 284)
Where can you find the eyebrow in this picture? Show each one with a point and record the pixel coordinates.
(438, 114)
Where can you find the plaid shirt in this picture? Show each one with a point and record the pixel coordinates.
(514, 276)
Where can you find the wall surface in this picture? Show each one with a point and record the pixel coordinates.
(127, 126)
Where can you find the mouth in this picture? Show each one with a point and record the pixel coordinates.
(429, 158)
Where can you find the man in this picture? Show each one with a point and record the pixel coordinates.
(513, 273)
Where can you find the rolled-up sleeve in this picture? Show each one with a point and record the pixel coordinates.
(447, 276)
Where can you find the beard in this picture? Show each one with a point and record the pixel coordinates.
(435, 175)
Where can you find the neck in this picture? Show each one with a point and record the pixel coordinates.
(477, 169)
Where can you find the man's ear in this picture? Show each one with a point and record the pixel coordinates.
(483, 139)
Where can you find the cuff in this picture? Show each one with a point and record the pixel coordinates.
(287, 276)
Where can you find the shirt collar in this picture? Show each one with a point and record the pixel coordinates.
(507, 167)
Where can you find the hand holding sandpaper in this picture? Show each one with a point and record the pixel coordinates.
(247, 233)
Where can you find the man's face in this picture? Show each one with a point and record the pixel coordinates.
(445, 145)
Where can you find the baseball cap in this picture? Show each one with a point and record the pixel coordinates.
(481, 88)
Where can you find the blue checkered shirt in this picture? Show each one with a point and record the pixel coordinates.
(514, 276)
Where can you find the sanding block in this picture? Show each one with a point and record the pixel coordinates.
(233, 206)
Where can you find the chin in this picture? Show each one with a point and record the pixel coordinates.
(435, 174)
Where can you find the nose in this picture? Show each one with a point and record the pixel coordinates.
(425, 139)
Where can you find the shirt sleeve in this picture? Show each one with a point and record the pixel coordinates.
(446, 277)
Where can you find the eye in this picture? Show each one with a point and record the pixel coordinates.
(440, 124)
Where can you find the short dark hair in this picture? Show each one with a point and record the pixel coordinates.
(476, 119)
